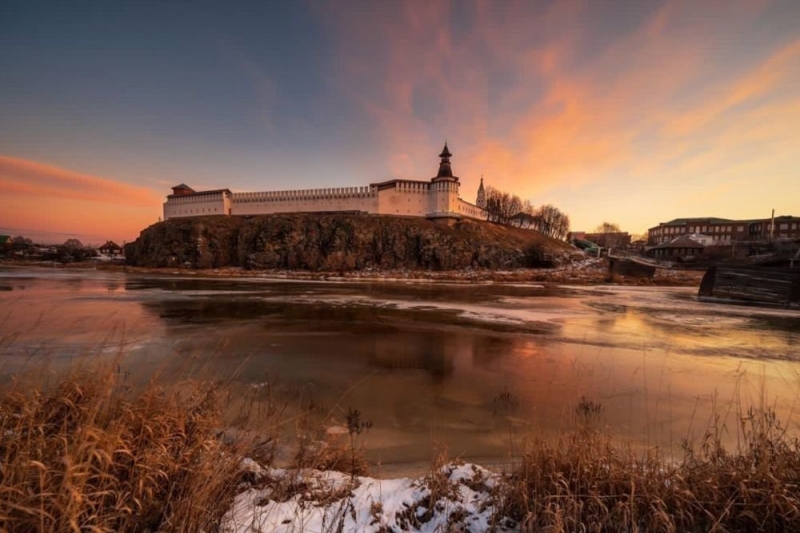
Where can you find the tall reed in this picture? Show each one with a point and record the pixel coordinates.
(89, 454)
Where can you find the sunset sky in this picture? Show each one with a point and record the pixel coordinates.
(633, 112)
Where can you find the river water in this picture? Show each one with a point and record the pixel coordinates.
(428, 364)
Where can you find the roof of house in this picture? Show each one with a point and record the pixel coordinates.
(695, 220)
(681, 242)
(5, 239)
(111, 244)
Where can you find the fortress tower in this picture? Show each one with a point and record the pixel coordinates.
(444, 188)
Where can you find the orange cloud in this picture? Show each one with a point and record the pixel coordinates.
(528, 103)
(47, 181)
(44, 199)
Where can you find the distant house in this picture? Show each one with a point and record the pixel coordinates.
(111, 249)
(5, 243)
(615, 239)
(680, 247)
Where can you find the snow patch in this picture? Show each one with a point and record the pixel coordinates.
(459, 498)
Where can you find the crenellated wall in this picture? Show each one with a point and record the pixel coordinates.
(405, 198)
(305, 201)
(435, 199)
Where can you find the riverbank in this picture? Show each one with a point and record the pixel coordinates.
(587, 271)
(87, 451)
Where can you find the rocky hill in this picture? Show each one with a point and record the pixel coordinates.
(340, 242)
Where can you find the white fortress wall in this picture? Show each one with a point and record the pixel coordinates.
(194, 205)
(407, 198)
(466, 209)
(305, 200)
(403, 198)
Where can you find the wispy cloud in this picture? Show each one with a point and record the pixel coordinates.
(48, 200)
(21, 176)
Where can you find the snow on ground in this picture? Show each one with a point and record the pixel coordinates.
(456, 497)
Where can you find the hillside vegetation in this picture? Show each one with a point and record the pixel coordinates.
(340, 242)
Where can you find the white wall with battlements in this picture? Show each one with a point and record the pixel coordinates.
(435, 199)
(403, 198)
(305, 201)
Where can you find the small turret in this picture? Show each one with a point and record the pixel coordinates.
(481, 200)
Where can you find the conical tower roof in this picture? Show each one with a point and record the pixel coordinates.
(445, 171)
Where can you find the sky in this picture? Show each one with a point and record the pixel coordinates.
(632, 112)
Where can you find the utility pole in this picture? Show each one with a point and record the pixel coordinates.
(772, 226)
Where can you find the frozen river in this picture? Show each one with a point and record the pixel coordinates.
(425, 362)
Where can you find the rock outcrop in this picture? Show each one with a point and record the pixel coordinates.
(340, 242)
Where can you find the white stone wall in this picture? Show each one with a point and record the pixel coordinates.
(401, 198)
(404, 198)
(305, 201)
(466, 209)
(195, 205)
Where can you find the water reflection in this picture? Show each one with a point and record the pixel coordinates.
(427, 362)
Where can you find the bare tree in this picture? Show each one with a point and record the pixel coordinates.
(511, 210)
(552, 222)
(611, 236)
(501, 206)
(607, 227)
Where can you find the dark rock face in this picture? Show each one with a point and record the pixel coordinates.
(339, 242)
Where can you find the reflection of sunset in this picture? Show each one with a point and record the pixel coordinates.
(654, 358)
(640, 112)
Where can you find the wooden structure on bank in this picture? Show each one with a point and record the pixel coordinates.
(755, 285)
(622, 266)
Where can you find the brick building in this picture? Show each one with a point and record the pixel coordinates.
(725, 231)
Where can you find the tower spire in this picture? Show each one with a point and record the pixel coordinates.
(444, 164)
(481, 200)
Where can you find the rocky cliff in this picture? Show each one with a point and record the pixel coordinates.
(340, 242)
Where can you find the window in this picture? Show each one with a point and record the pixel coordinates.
(784, 226)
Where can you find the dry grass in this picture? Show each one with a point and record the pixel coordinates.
(587, 483)
(86, 454)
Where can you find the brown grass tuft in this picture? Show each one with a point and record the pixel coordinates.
(586, 483)
(88, 454)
